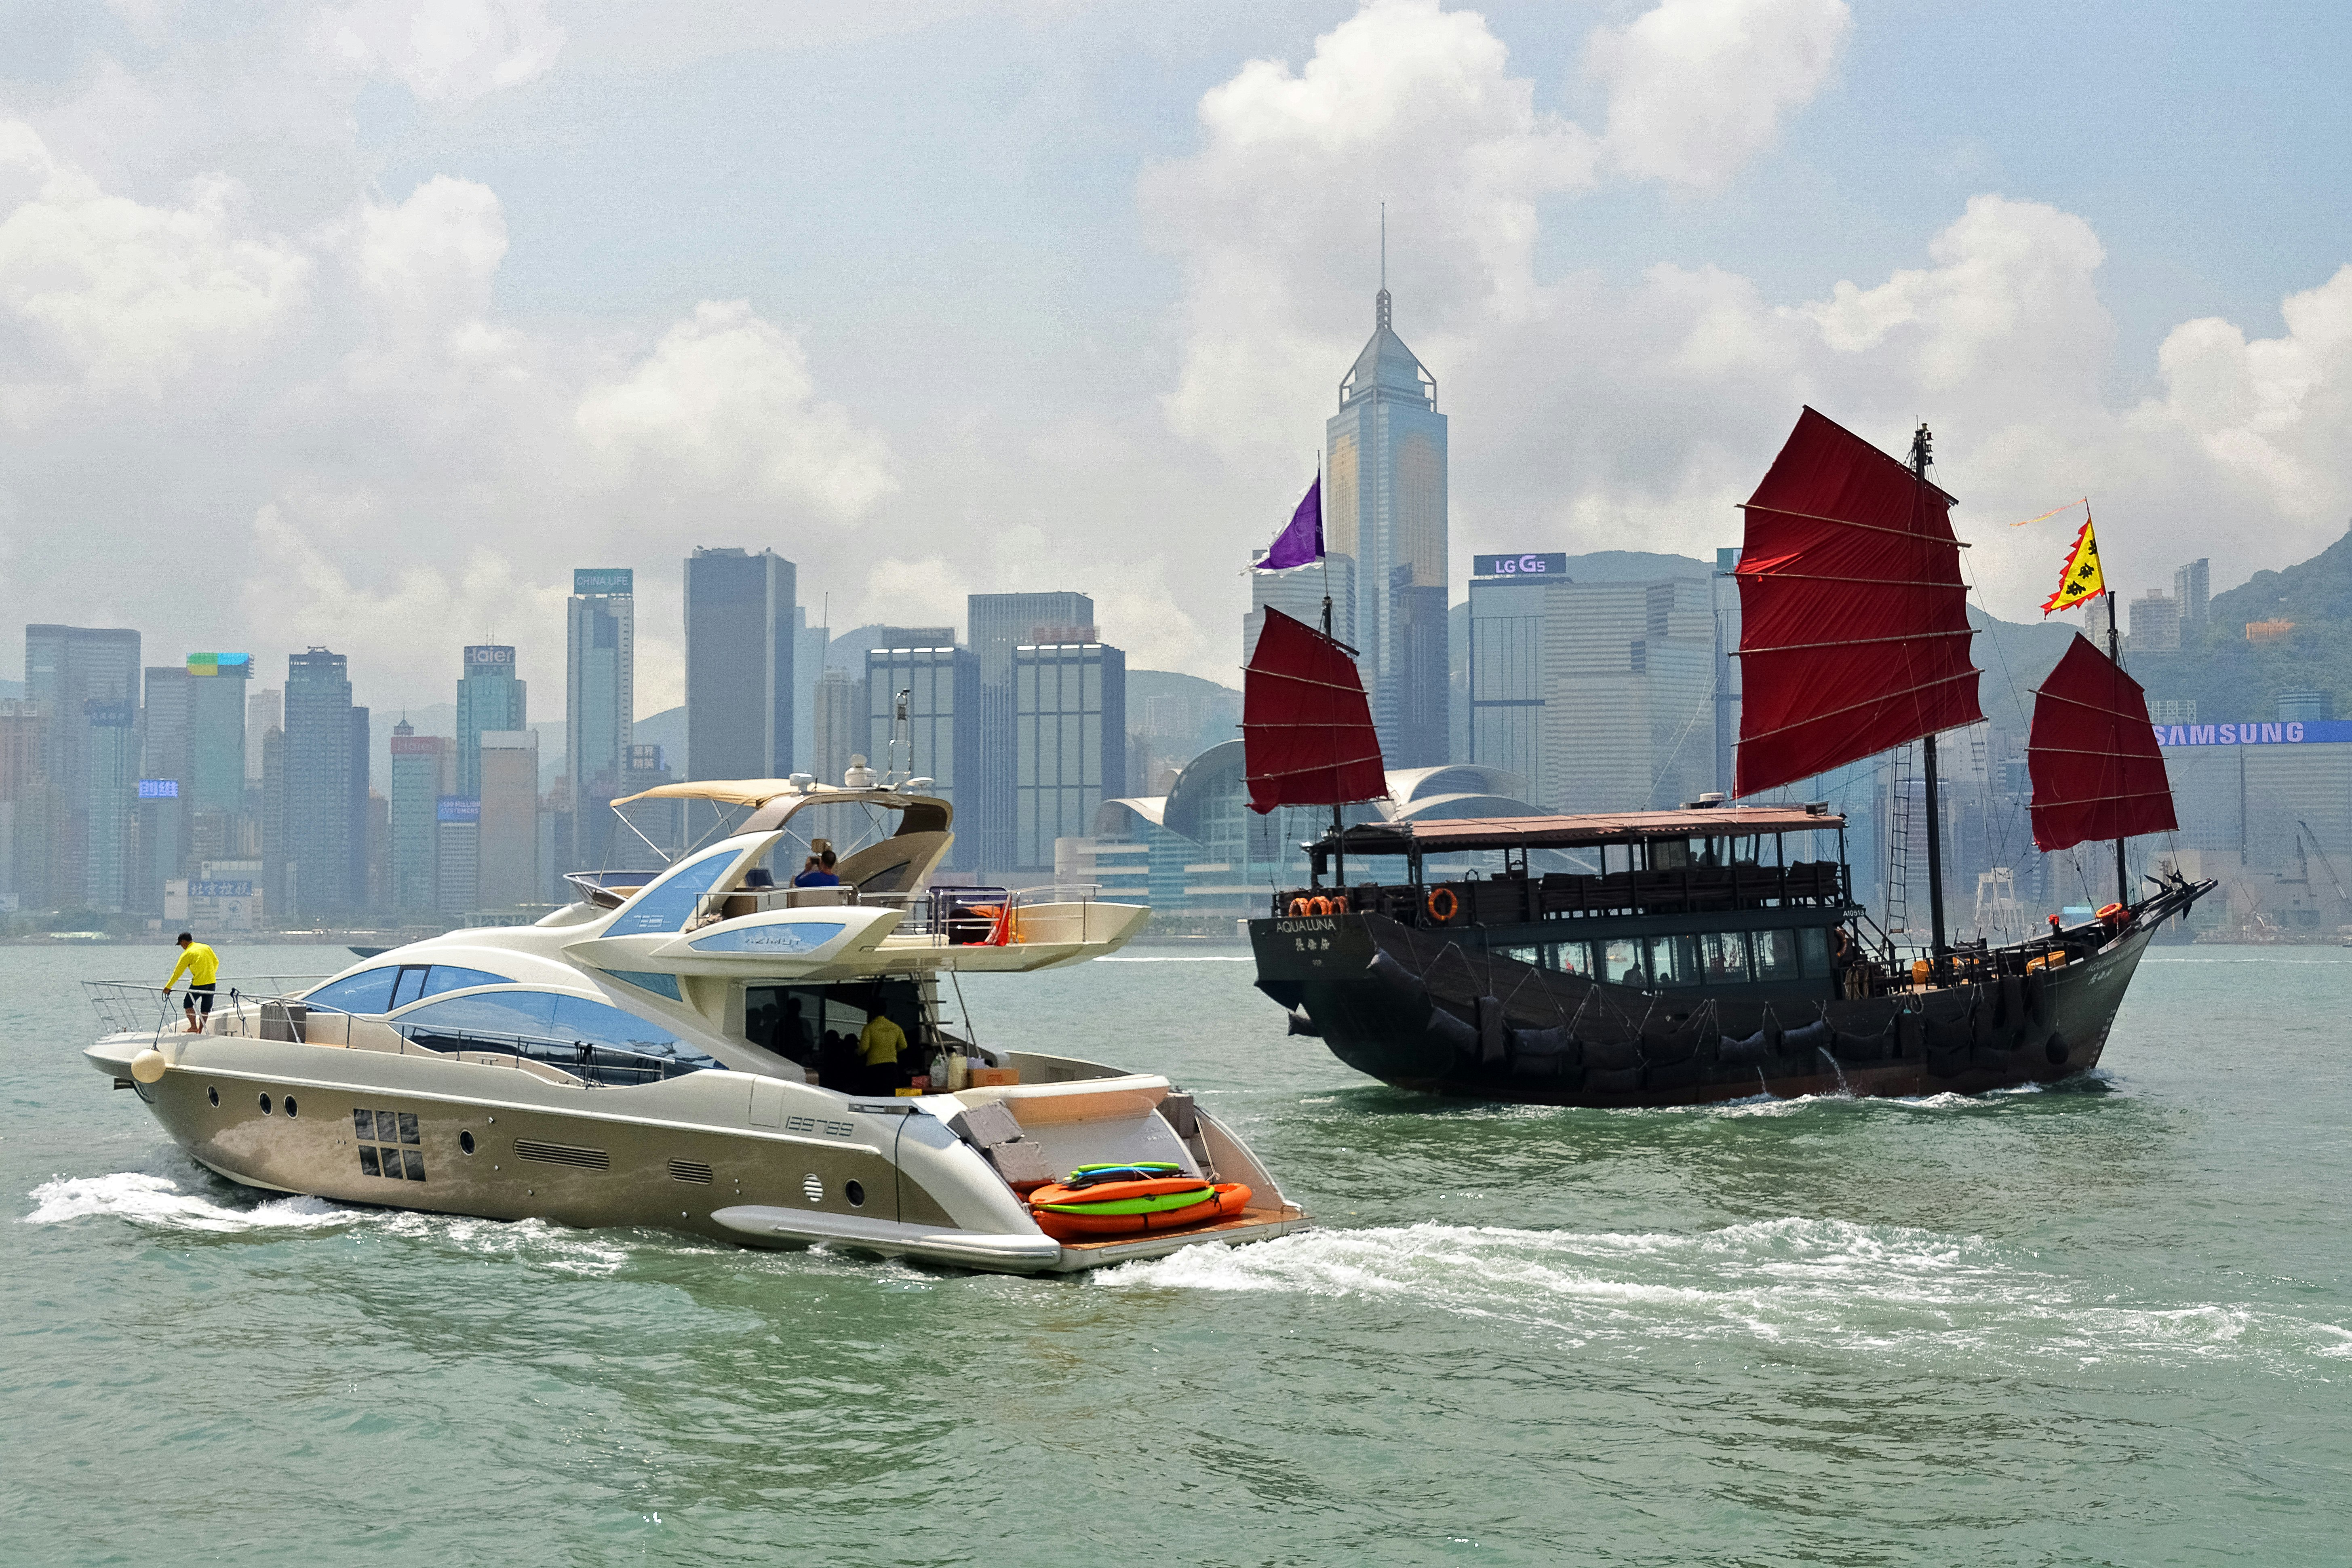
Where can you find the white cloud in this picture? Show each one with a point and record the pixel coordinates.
(928, 592)
(109, 296)
(1698, 88)
(442, 49)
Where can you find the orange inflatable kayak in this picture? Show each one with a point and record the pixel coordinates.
(1057, 1193)
(1231, 1198)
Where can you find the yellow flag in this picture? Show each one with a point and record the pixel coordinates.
(2082, 579)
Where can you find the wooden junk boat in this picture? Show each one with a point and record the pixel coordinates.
(1717, 952)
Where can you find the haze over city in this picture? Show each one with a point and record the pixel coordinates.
(363, 327)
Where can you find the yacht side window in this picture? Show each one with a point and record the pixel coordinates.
(667, 905)
(455, 977)
(369, 990)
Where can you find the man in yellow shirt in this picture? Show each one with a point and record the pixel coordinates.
(202, 966)
(878, 1045)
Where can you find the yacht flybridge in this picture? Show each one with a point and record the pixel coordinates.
(700, 1048)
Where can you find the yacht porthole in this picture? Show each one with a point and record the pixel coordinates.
(855, 1192)
(465, 1142)
(813, 1187)
(289, 1106)
(265, 1105)
(212, 1095)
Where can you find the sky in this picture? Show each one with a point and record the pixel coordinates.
(361, 325)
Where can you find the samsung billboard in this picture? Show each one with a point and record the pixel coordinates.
(616, 583)
(1519, 565)
(2301, 732)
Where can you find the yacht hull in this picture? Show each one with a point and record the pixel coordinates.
(426, 1132)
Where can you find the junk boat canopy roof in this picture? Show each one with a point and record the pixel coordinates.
(1574, 832)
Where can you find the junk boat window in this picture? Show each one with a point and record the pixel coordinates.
(669, 904)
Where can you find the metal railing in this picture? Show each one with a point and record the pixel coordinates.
(125, 1008)
(594, 1066)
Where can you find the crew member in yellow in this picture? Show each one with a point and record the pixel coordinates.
(878, 1045)
(202, 966)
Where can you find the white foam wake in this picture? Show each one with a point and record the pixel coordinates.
(160, 1201)
(1818, 1282)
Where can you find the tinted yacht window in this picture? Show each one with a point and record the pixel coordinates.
(578, 1018)
(493, 1011)
(369, 990)
(451, 977)
(668, 906)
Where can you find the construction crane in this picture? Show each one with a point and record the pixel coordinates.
(2340, 896)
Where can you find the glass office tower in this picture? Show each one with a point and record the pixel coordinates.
(422, 771)
(938, 739)
(1069, 724)
(599, 701)
(318, 812)
(999, 623)
(65, 668)
(489, 696)
(1384, 488)
(738, 664)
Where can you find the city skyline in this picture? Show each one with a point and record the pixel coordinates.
(1626, 303)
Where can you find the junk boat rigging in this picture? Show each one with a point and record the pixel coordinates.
(678, 1048)
(1677, 957)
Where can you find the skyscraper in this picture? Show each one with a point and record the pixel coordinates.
(67, 668)
(166, 788)
(599, 705)
(422, 770)
(1384, 507)
(489, 696)
(939, 741)
(999, 623)
(317, 793)
(506, 870)
(738, 664)
(25, 806)
(110, 779)
(264, 710)
(362, 872)
(2192, 587)
(838, 724)
(1069, 726)
(808, 660)
(217, 710)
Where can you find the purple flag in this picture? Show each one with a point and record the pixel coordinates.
(1302, 542)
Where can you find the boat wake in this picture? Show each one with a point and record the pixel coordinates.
(1807, 1283)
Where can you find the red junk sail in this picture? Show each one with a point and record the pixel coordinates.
(2092, 755)
(1306, 731)
(1854, 622)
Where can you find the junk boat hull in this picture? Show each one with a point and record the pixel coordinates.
(1446, 1014)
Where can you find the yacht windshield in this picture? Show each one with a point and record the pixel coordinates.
(603, 1043)
(667, 905)
(379, 991)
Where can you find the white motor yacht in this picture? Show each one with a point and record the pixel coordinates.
(678, 1048)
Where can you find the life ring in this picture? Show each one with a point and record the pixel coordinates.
(1452, 905)
(2112, 914)
(1339, 903)
(1298, 905)
(1229, 1199)
(1318, 905)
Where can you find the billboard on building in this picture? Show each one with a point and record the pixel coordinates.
(481, 656)
(1554, 565)
(206, 905)
(615, 581)
(159, 789)
(235, 666)
(458, 808)
(2295, 732)
(416, 745)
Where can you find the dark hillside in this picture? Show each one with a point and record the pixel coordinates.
(2229, 677)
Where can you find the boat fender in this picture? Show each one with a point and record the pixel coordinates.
(1858, 1048)
(2055, 1051)
(1993, 1058)
(1443, 906)
(1808, 1038)
(2037, 1000)
(1673, 1075)
(1910, 1033)
(2012, 1000)
(1493, 1034)
(1557, 1045)
(1396, 978)
(1749, 1050)
(1953, 1034)
(1612, 1055)
(1666, 1047)
(1451, 1031)
(1300, 1023)
(1947, 1063)
(1612, 1081)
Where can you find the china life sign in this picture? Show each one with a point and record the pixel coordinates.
(1555, 565)
(616, 583)
(210, 905)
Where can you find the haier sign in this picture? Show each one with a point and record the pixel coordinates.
(489, 656)
(1519, 565)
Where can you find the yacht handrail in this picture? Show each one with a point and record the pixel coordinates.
(125, 1006)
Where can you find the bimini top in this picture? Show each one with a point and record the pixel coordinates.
(775, 800)
(1579, 831)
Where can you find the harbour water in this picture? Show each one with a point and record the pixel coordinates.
(2110, 1323)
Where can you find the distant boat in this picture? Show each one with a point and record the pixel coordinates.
(1679, 957)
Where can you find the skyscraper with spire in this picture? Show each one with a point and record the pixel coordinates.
(1384, 507)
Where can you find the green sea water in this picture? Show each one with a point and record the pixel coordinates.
(2110, 1323)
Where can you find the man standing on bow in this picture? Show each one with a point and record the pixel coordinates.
(202, 966)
